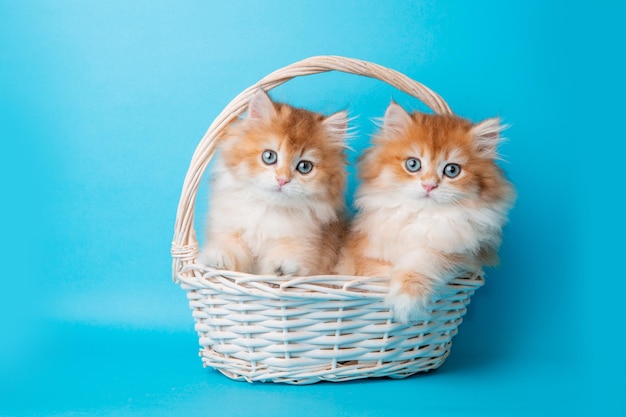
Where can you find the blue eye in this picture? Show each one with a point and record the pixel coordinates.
(304, 167)
(452, 170)
(269, 157)
(413, 164)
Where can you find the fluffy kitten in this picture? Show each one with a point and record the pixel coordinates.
(277, 198)
(432, 203)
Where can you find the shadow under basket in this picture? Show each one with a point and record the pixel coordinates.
(303, 330)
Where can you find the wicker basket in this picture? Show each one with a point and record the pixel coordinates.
(307, 329)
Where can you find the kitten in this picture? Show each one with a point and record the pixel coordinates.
(277, 198)
(431, 205)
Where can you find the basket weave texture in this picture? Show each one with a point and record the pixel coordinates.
(302, 330)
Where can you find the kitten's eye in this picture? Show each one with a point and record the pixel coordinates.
(413, 164)
(269, 157)
(304, 167)
(452, 170)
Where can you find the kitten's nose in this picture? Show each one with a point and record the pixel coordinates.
(282, 181)
(429, 187)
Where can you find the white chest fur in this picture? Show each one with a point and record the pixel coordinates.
(395, 231)
(237, 209)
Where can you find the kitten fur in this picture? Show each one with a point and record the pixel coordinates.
(422, 229)
(271, 218)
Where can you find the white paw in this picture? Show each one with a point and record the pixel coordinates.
(281, 267)
(217, 258)
(405, 307)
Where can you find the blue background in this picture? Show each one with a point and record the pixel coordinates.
(103, 103)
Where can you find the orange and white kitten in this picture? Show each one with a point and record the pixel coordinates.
(277, 198)
(431, 205)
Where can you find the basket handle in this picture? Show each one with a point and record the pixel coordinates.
(185, 244)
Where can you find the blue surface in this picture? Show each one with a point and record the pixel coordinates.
(103, 103)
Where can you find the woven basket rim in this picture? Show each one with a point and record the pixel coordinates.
(185, 244)
(328, 287)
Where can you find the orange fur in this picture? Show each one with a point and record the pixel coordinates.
(286, 222)
(423, 228)
(297, 130)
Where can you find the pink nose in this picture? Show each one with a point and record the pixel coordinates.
(429, 187)
(282, 181)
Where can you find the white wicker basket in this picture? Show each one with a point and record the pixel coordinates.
(306, 329)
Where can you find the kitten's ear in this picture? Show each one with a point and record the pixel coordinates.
(261, 107)
(487, 137)
(336, 126)
(396, 119)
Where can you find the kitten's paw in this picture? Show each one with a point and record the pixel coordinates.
(217, 258)
(281, 267)
(407, 305)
